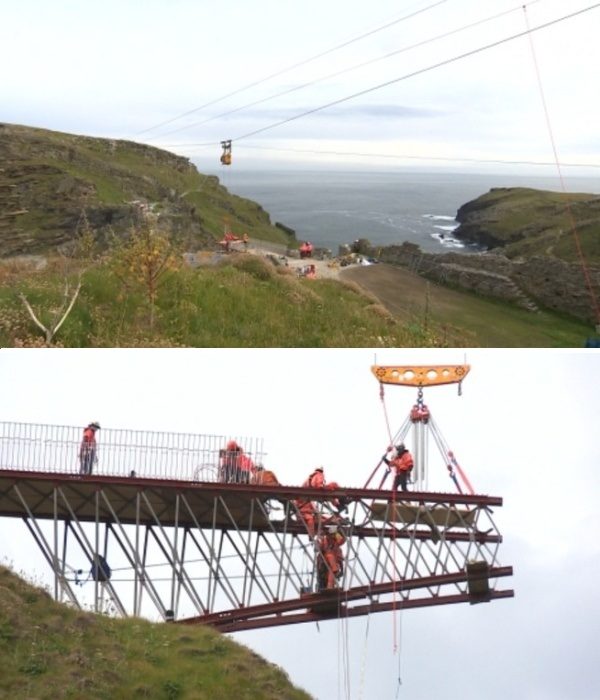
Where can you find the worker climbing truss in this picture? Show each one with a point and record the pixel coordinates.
(157, 530)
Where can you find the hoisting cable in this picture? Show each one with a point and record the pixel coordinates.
(445, 62)
(460, 471)
(336, 74)
(289, 68)
(393, 156)
(452, 463)
(385, 413)
(400, 156)
(363, 663)
(569, 210)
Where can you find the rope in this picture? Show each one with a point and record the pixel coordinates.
(385, 413)
(395, 646)
(461, 473)
(401, 156)
(580, 254)
(363, 665)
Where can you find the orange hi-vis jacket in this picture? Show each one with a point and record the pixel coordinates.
(89, 440)
(265, 477)
(331, 549)
(403, 463)
(245, 464)
(316, 480)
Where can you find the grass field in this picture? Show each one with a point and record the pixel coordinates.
(485, 322)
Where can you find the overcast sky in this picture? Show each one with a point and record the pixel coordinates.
(524, 429)
(118, 68)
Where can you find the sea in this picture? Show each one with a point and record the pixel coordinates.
(330, 208)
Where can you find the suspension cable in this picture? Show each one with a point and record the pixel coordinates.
(402, 156)
(568, 208)
(289, 68)
(434, 66)
(349, 69)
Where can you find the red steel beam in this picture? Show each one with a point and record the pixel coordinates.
(326, 598)
(287, 492)
(344, 611)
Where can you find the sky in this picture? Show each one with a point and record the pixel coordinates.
(121, 68)
(524, 429)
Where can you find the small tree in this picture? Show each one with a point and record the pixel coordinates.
(58, 315)
(143, 259)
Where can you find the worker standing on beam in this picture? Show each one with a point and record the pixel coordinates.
(305, 507)
(330, 565)
(87, 450)
(402, 461)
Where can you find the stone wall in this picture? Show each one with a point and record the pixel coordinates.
(544, 281)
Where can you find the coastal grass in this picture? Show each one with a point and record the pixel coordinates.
(484, 322)
(497, 324)
(243, 302)
(49, 651)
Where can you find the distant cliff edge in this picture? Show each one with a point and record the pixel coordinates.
(532, 259)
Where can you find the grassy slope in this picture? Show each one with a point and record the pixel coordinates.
(49, 651)
(246, 302)
(120, 171)
(539, 222)
(484, 322)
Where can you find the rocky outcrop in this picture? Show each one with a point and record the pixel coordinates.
(523, 222)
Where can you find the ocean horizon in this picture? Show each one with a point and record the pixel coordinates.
(331, 208)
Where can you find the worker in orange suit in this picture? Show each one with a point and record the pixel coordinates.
(330, 565)
(245, 468)
(87, 449)
(316, 480)
(228, 461)
(402, 462)
(340, 503)
(264, 477)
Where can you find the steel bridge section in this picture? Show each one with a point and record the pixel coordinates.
(184, 546)
(226, 555)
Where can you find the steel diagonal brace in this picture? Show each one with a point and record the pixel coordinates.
(215, 568)
(241, 555)
(90, 551)
(174, 560)
(46, 549)
(133, 557)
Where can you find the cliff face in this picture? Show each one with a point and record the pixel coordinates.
(524, 222)
(48, 178)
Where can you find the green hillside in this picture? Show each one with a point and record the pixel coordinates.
(48, 178)
(49, 652)
(522, 221)
(243, 301)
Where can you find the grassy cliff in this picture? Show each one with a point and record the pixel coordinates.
(48, 178)
(522, 222)
(50, 651)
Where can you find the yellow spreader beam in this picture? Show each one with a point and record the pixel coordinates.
(428, 375)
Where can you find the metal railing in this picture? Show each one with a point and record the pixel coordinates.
(146, 454)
